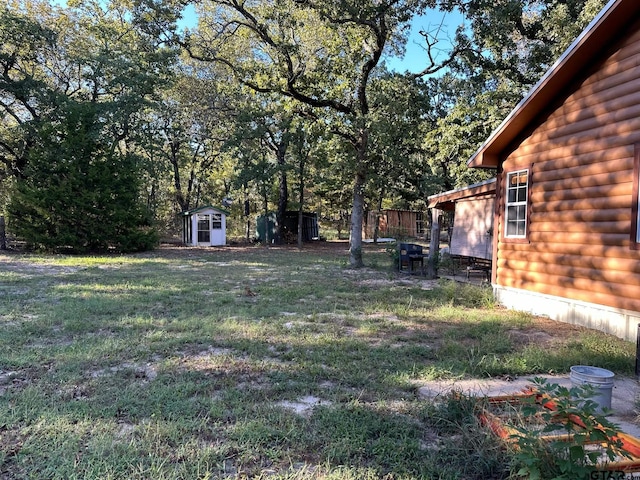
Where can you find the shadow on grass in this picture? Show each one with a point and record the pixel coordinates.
(163, 368)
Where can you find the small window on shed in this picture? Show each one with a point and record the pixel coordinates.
(516, 204)
(216, 221)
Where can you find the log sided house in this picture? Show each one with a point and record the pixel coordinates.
(567, 232)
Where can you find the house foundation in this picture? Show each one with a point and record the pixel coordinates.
(614, 321)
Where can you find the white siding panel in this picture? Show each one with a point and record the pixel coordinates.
(472, 221)
(619, 322)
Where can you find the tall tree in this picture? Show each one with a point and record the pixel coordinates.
(465, 113)
(268, 120)
(77, 193)
(187, 131)
(275, 125)
(28, 48)
(320, 53)
(259, 131)
(398, 123)
(518, 40)
(73, 84)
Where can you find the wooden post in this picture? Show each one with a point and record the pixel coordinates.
(434, 245)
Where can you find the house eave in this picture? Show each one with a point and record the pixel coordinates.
(483, 160)
(612, 20)
(446, 200)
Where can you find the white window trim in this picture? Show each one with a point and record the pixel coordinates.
(216, 219)
(508, 204)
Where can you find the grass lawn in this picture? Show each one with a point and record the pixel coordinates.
(255, 363)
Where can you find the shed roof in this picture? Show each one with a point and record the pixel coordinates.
(446, 200)
(202, 208)
(607, 27)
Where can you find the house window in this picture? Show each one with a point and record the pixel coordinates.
(516, 204)
(216, 221)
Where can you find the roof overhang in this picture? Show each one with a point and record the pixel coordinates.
(612, 20)
(447, 200)
(204, 208)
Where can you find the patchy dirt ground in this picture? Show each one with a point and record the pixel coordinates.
(545, 330)
(263, 365)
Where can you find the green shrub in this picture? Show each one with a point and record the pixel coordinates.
(567, 456)
(78, 194)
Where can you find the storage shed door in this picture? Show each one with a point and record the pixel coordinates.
(204, 230)
(473, 228)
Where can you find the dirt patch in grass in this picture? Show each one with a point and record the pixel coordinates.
(143, 373)
(544, 332)
(528, 337)
(304, 405)
(322, 367)
(23, 266)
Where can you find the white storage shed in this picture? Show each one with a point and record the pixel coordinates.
(204, 226)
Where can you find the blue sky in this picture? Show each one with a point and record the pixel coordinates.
(414, 59)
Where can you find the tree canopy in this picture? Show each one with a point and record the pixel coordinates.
(113, 107)
(73, 86)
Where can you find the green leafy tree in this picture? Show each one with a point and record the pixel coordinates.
(512, 43)
(320, 53)
(399, 121)
(275, 124)
(331, 194)
(26, 49)
(465, 116)
(518, 40)
(74, 83)
(185, 132)
(77, 193)
(265, 122)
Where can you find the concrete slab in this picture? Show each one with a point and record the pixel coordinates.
(625, 394)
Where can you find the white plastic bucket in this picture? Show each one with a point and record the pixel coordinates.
(600, 379)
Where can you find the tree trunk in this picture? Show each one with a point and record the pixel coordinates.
(301, 202)
(339, 224)
(3, 234)
(283, 197)
(357, 212)
(283, 200)
(300, 226)
(267, 235)
(434, 245)
(182, 199)
(376, 228)
(357, 216)
(247, 211)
